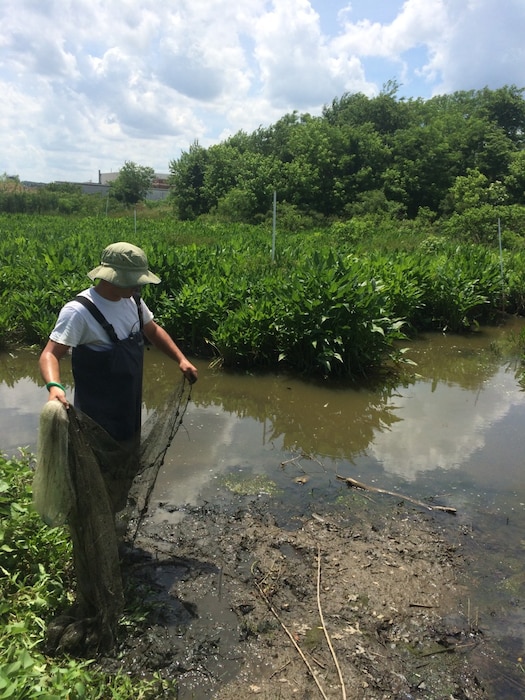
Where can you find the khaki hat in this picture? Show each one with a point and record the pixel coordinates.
(124, 265)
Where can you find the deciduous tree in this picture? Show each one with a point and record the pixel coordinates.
(133, 183)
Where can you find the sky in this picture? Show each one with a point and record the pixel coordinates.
(87, 85)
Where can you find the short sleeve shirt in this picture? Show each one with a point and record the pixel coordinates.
(77, 326)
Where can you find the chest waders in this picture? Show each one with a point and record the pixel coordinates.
(108, 383)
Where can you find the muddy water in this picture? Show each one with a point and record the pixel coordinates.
(452, 431)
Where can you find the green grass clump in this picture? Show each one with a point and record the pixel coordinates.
(35, 583)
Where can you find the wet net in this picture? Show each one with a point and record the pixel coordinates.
(100, 489)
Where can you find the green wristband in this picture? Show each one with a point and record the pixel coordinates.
(50, 384)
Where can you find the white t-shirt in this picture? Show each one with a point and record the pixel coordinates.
(77, 326)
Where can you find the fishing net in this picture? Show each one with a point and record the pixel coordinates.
(89, 482)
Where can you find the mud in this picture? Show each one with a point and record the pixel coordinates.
(244, 599)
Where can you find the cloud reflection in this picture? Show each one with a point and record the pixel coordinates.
(441, 426)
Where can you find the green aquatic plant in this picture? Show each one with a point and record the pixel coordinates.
(249, 484)
(325, 303)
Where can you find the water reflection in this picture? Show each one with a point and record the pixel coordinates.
(445, 416)
(440, 418)
(327, 419)
(436, 419)
(22, 396)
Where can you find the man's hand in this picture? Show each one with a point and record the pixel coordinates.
(189, 371)
(56, 392)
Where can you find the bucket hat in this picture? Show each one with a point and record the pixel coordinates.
(124, 265)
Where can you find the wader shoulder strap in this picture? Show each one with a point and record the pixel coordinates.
(138, 302)
(136, 297)
(99, 316)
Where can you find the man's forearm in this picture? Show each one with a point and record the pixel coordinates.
(165, 343)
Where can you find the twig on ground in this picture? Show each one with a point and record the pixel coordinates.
(316, 661)
(329, 641)
(290, 636)
(293, 459)
(420, 605)
(278, 670)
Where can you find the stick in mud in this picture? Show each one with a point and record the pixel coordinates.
(365, 487)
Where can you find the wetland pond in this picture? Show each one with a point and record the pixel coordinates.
(452, 432)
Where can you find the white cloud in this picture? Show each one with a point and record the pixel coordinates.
(87, 85)
(418, 22)
(293, 57)
(483, 46)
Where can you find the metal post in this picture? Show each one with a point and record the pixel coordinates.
(501, 266)
(274, 223)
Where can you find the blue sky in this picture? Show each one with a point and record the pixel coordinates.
(89, 84)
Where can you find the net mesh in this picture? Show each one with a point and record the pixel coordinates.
(90, 482)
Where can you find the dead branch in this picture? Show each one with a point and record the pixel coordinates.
(290, 636)
(365, 487)
(297, 458)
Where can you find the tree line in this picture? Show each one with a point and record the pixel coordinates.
(385, 155)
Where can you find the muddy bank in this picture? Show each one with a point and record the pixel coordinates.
(246, 599)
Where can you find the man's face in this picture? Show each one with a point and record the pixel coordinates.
(114, 292)
(126, 292)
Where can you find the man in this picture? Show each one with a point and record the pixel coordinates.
(107, 343)
(105, 326)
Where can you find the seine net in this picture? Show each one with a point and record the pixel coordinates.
(83, 479)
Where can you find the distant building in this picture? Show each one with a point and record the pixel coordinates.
(160, 186)
(159, 191)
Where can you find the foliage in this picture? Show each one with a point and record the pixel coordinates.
(333, 301)
(364, 155)
(132, 183)
(461, 288)
(187, 182)
(326, 316)
(35, 580)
